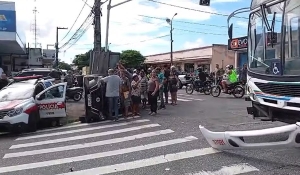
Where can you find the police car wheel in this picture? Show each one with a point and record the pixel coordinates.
(33, 122)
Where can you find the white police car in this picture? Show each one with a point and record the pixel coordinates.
(28, 100)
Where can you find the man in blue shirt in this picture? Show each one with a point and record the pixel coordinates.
(161, 79)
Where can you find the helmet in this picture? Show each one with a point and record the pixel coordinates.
(230, 67)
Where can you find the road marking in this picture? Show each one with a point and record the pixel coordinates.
(83, 136)
(81, 130)
(145, 162)
(230, 170)
(113, 153)
(87, 145)
(197, 99)
(75, 125)
(179, 99)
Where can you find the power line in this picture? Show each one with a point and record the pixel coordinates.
(77, 32)
(163, 36)
(85, 2)
(78, 38)
(187, 22)
(75, 20)
(186, 8)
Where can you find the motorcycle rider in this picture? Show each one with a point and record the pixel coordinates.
(232, 77)
(202, 76)
(70, 79)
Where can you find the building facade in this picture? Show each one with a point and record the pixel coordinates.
(188, 60)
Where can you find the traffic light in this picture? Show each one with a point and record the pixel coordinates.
(205, 2)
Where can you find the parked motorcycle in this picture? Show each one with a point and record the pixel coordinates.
(236, 89)
(74, 93)
(196, 85)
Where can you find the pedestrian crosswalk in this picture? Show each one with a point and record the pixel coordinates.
(105, 148)
(188, 98)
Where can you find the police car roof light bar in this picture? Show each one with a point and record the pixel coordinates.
(27, 78)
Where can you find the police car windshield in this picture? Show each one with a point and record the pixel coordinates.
(16, 93)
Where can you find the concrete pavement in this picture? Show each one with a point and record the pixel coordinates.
(167, 144)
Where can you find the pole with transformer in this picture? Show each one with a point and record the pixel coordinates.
(56, 45)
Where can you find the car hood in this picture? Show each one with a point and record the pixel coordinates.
(9, 104)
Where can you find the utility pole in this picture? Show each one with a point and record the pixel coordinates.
(95, 58)
(56, 45)
(97, 23)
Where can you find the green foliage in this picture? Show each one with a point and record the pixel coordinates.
(131, 58)
(82, 60)
(63, 65)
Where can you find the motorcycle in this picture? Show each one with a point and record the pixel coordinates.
(236, 89)
(74, 93)
(196, 85)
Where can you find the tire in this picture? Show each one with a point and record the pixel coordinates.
(207, 90)
(33, 121)
(239, 89)
(189, 89)
(215, 91)
(180, 85)
(77, 96)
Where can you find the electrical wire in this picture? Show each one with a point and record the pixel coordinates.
(75, 20)
(187, 22)
(77, 32)
(186, 8)
(85, 2)
(163, 36)
(82, 33)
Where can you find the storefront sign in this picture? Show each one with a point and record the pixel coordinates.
(238, 43)
(7, 21)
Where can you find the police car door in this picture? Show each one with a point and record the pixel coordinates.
(52, 101)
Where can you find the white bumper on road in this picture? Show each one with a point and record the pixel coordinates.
(234, 139)
(22, 118)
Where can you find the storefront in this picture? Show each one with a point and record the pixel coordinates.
(189, 60)
(12, 42)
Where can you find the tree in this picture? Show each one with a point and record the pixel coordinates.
(131, 58)
(82, 60)
(63, 65)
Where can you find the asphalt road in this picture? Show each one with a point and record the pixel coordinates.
(167, 144)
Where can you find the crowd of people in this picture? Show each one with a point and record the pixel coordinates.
(140, 89)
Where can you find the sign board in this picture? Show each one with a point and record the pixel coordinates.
(275, 67)
(238, 43)
(49, 53)
(8, 21)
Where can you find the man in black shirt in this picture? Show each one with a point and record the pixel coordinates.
(202, 76)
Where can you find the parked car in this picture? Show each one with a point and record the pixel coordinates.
(28, 100)
(184, 80)
(45, 72)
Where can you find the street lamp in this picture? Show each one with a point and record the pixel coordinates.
(170, 21)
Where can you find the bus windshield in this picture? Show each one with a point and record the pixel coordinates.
(274, 39)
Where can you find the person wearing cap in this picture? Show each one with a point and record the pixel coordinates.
(113, 90)
(136, 94)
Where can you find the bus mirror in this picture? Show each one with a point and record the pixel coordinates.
(230, 31)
